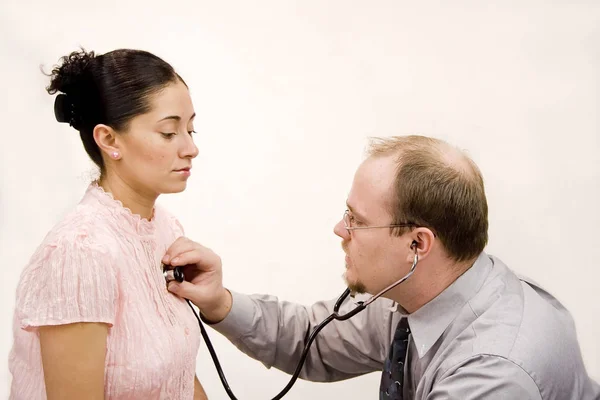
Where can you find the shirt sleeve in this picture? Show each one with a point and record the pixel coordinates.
(70, 280)
(274, 333)
(486, 377)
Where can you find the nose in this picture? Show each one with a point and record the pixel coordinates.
(189, 150)
(340, 230)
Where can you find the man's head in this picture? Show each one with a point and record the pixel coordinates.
(433, 191)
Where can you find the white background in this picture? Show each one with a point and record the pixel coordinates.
(287, 93)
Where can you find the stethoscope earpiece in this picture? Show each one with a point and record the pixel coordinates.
(175, 274)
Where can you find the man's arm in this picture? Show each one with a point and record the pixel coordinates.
(486, 378)
(274, 333)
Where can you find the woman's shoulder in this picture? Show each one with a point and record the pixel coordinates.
(71, 277)
(72, 274)
(85, 231)
(83, 223)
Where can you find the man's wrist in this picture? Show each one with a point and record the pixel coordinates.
(218, 312)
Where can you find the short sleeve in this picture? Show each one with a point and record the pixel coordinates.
(72, 279)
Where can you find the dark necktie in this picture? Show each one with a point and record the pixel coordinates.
(393, 368)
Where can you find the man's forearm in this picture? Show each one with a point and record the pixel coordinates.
(274, 333)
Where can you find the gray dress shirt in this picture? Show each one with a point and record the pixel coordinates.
(489, 335)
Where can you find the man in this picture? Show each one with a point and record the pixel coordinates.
(462, 326)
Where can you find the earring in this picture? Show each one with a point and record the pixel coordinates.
(115, 154)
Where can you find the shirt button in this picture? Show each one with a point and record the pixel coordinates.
(186, 331)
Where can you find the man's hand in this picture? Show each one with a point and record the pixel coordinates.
(203, 283)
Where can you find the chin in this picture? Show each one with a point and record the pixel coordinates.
(173, 188)
(357, 288)
(354, 284)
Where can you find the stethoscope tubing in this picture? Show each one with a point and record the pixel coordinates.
(177, 274)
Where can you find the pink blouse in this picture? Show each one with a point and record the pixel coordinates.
(101, 263)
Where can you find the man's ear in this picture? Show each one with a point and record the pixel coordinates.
(422, 242)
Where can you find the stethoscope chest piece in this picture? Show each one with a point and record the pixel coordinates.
(175, 274)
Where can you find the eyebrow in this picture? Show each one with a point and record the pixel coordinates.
(176, 117)
(359, 215)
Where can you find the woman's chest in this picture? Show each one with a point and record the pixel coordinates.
(153, 344)
(155, 333)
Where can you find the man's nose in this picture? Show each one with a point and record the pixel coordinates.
(340, 230)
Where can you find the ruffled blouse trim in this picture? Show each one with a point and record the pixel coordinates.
(142, 225)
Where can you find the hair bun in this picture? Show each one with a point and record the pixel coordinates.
(73, 78)
(72, 72)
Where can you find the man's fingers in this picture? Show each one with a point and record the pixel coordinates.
(182, 289)
(200, 256)
(179, 246)
(188, 257)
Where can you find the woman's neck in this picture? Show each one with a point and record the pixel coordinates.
(135, 200)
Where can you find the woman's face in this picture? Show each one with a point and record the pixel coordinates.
(155, 154)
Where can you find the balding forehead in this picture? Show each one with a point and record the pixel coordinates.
(430, 149)
(372, 189)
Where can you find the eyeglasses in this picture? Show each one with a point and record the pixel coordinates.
(348, 220)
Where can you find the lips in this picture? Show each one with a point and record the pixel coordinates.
(183, 169)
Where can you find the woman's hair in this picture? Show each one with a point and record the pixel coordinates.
(109, 89)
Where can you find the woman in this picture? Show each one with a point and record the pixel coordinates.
(93, 316)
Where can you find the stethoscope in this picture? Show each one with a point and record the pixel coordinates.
(177, 275)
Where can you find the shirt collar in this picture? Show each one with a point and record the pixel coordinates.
(134, 222)
(429, 322)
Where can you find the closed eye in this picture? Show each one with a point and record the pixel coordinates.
(353, 221)
(168, 135)
(356, 222)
